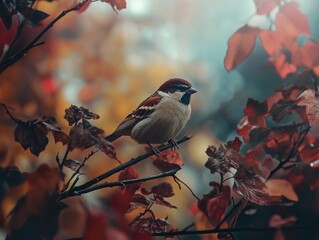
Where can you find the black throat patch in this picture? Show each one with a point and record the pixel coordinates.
(186, 99)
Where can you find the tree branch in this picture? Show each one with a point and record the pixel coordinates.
(124, 182)
(77, 171)
(119, 168)
(235, 230)
(297, 143)
(14, 58)
(6, 108)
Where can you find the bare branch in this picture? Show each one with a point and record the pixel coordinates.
(180, 181)
(125, 182)
(236, 230)
(297, 143)
(119, 168)
(6, 108)
(34, 43)
(77, 171)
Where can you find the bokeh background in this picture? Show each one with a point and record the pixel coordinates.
(110, 62)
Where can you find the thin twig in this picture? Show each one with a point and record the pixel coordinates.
(141, 214)
(11, 60)
(9, 113)
(77, 171)
(120, 183)
(119, 168)
(292, 152)
(197, 198)
(236, 230)
(68, 149)
(189, 226)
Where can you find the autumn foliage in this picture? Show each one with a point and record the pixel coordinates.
(274, 155)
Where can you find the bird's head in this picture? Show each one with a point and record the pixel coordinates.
(178, 88)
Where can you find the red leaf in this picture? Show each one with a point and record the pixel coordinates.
(214, 205)
(163, 189)
(258, 135)
(150, 225)
(292, 21)
(120, 202)
(224, 158)
(84, 7)
(265, 6)
(7, 35)
(161, 201)
(33, 135)
(74, 114)
(49, 84)
(284, 108)
(84, 135)
(107, 148)
(167, 160)
(116, 4)
(129, 173)
(96, 226)
(243, 128)
(139, 200)
(53, 126)
(256, 112)
(159, 192)
(250, 186)
(240, 45)
(37, 208)
(72, 164)
(310, 153)
(44, 177)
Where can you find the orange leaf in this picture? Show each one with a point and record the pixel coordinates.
(271, 41)
(309, 54)
(292, 21)
(265, 6)
(240, 45)
(281, 187)
(283, 68)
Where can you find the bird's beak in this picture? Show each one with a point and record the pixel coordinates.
(191, 90)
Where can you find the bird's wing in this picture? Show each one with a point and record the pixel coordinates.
(142, 111)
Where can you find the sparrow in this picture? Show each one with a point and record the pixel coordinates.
(160, 117)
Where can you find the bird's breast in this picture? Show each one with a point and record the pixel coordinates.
(165, 123)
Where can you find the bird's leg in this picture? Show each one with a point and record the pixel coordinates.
(154, 149)
(174, 143)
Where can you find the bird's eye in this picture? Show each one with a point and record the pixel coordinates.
(182, 88)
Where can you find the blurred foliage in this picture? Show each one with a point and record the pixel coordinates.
(109, 62)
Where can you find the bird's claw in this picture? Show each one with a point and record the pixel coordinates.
(174, 144)
(155, 150)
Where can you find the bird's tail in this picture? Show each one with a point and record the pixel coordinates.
(112, 137)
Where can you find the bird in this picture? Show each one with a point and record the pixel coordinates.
(160, 117)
